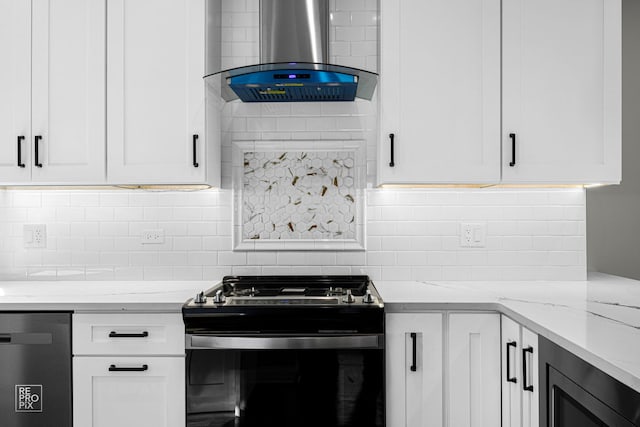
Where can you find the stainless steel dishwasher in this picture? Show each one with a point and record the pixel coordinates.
(35, 369)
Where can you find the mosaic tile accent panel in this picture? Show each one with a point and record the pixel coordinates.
(299, 197)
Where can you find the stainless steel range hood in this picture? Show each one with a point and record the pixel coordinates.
(294, 61)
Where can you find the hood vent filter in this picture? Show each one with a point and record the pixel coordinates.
(294, 86)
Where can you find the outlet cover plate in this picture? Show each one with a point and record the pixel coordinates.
(34, 236)
(473, 235)
(152, 237)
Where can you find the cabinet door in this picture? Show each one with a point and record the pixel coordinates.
(414, 384)
(68, 81)
(474, 370)
(440, 91)
(511, 345)
(530, 386)
(15, 89)
(154, 397)
(562, 91)
(155, 91)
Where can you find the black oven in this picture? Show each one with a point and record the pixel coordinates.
(314, 360)
(574, 393)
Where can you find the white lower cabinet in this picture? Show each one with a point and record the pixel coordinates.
(414, 369)
(443, 369)
(128, 391)
(519, 375)
(474, 369)
(128, 370)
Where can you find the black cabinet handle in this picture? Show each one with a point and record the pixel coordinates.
(36, 160)
(414, 339)
(195, 159)
(512, 163)
(509, 378)
(5, 338)
(114, 334)
(526, 387)
(20, 164)
(391, 138)
(114, 368)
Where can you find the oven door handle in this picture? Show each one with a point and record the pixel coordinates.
(284, 343)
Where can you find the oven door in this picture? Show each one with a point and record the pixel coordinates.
(571, 406)
(285, 381)
(573, 393)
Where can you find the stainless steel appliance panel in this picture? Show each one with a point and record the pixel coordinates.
(294, 31)
(575, 393)
(35, 369)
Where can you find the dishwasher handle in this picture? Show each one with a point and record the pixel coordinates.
(26, 338)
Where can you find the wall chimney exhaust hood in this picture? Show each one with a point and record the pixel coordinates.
(294, 61)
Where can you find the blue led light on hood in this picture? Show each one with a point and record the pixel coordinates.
(294, 85)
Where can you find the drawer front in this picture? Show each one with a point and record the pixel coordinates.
(128, 334)
(142, 391)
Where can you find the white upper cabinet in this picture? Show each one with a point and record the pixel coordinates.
(68, 81)
(15, 87)
(53, 88)
(561, 91)
(441, 77)
(439, 91)
(155, 91)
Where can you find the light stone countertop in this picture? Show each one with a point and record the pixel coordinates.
(598, 319)
(147, 296)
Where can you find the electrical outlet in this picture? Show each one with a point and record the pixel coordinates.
(473, 235)
(152, 237)
(34, 235)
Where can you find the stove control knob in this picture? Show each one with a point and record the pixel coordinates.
(367, 298)
(349, 298)
(219, 298)
(200, 298)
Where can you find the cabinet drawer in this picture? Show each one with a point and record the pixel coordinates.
(142, 391)
(128, 334)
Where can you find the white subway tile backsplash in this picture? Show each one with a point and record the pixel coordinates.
(128, 273)
(84, 199)
(158, 273)
(85, 258)
(26, 199)
(55, 199)
(411, 234)
(84, 229)
(409, 258)
(187, 273)
(442, 258)
(104, 214)
(350, 5)
(99, 244)
(109, 199)
(457, 273)
(114, 258)
(129, 213)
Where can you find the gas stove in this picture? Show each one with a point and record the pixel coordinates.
(287, 351)
(288, 291)
(286, 304)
